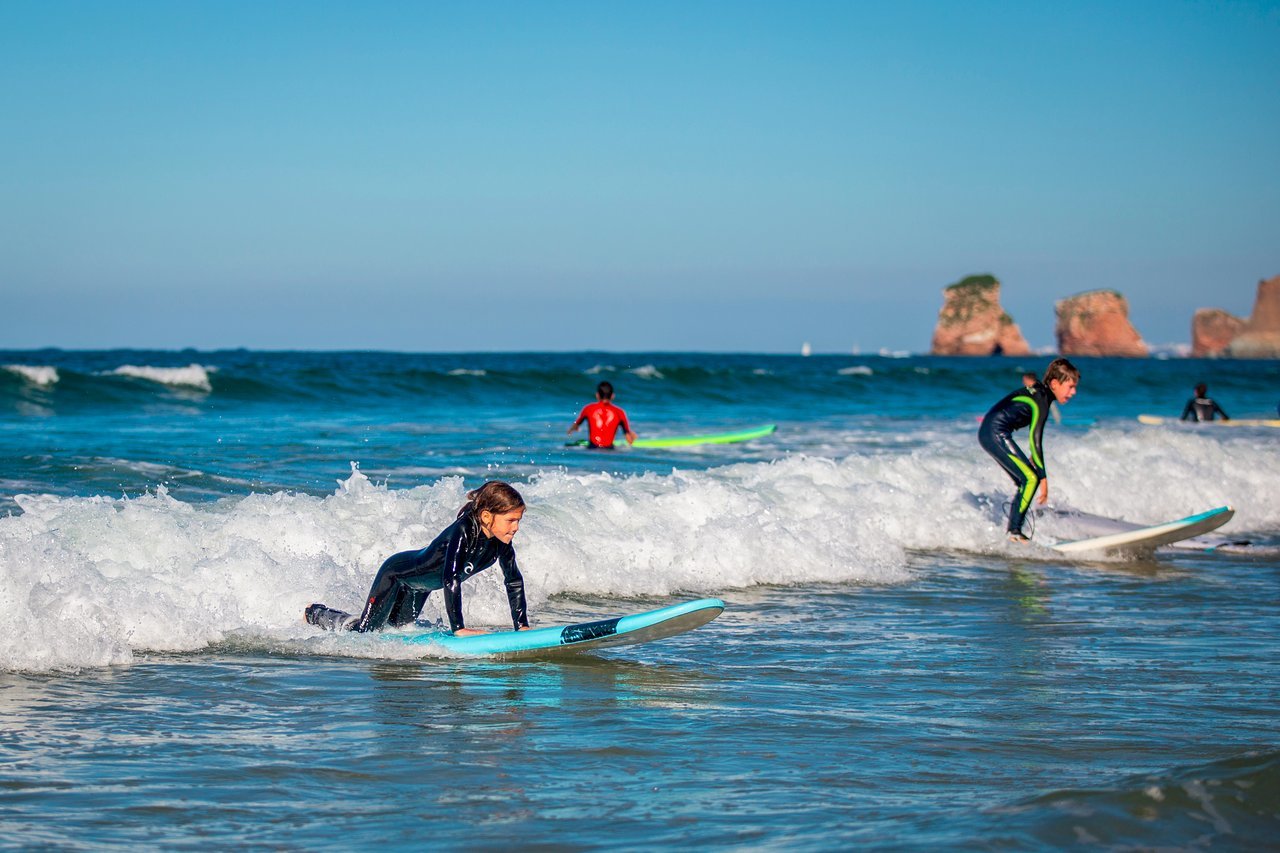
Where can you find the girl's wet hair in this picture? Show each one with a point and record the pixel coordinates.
(495, 496)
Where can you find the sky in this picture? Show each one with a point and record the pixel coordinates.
(685, 176)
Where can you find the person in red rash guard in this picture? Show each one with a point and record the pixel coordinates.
(603, 419)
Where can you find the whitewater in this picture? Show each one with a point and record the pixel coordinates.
(92, 581)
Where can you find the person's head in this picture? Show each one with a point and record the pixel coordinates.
(1202, 389)
(497, 508)
(604, 391)
(1061, 378)
(1029, 379)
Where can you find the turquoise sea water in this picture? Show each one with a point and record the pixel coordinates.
(889, 672)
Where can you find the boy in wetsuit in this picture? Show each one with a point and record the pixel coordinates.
(1022, 408)
(603, 419)
(480, 536)
(1201, 407)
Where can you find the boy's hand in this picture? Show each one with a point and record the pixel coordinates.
(1044, 491)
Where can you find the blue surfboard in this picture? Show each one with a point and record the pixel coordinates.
(572, 639)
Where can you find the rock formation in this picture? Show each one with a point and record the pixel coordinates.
(1260, 337)
(972, 322)
(1097, 323)
(1212, 331)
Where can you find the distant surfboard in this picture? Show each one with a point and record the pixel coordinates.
(691, 440)
(573, 639)
(1149, 538)
(1156, 420)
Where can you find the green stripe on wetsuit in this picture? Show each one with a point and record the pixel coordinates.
(1029, 487)
(1031, 438)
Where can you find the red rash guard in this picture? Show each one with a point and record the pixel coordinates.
(604, 420)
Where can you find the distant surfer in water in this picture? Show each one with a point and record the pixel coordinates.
(1202, 407)
(603, 419)
(480, 536)
(1026, 407)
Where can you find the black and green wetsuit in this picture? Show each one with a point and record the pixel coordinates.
(1021, 408)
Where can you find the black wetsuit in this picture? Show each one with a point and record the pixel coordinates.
(1202, 409)
(401, 587)
(1021, 408)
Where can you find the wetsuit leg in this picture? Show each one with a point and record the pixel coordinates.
(408, 606)
(386, 594)
(391, 601)
(1015, 463)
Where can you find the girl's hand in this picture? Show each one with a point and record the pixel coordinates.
(1044, 491)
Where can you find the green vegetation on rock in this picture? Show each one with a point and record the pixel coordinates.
(968, 296)
(973, 284)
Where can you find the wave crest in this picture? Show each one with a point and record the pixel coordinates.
(191, 376)
(35, 374)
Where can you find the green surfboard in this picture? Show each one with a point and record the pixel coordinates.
(690, 440)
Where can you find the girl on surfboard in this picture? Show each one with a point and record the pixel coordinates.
(1028, 406)
(480, 536)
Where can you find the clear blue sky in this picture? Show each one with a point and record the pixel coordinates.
(681, 176)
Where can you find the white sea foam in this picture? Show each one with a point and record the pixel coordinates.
(644, 371)
(35, 374)
(856, 370)
(464, 371)
(192, 376)
(96, 581)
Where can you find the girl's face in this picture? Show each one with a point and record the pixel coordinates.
(1063, 389)
(501, 526)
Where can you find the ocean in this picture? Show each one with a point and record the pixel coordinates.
(889, 672)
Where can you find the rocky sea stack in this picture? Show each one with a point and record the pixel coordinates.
(1212, 331)
(1260, 337)
(1097, 324)
(972, 322)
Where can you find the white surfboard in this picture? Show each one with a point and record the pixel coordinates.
(1069, 521)
(1150, 538)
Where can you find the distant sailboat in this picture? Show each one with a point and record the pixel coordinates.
(806, 350)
